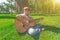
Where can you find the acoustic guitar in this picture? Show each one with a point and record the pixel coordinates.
(20, 27)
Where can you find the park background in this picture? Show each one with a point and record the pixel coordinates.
(48, 9)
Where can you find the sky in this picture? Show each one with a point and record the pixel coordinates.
(3, 1)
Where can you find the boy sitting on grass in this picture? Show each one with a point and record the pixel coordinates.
(25, 23)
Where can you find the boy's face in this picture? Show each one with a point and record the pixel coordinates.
(27, 11)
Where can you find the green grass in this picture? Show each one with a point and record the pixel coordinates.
(52, 23)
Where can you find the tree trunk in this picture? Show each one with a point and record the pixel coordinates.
(36, 6)
(20, 4)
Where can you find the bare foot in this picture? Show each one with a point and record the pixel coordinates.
(43, 29)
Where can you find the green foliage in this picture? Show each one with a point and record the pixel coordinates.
(8, 7)
(44, 6)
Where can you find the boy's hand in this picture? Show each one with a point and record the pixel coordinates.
(32, 24)
(41, 18)
(43, 29)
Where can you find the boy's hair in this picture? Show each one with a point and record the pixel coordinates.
(26, 8)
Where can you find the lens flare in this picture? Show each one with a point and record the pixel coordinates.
(57, 1)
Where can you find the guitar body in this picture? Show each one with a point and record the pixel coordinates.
(19, 25)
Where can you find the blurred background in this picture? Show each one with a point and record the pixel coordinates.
(48, 9)
(36, 6)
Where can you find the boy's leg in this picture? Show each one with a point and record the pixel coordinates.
(34, 30)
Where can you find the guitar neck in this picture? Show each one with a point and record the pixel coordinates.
(34, 20)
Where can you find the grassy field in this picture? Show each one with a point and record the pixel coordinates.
(52, 23)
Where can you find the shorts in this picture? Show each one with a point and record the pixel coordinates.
(34, 30)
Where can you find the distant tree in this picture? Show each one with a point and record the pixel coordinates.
(8, 7)
(11, 5)
(2, 8)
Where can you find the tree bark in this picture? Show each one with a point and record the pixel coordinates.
(20, 4)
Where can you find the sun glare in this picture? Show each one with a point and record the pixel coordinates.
(57, 1)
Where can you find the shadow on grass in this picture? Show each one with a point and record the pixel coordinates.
(49, 28)
(52, 28)
(7, 17)
(36, 37)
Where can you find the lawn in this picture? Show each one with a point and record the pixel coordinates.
(52, 23)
